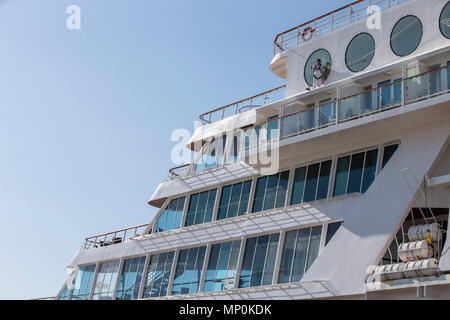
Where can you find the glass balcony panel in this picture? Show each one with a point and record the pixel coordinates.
(289, 125)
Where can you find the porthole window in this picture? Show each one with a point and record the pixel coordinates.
(360, 52)
(406, 35)
(444, 21)
(321, 54)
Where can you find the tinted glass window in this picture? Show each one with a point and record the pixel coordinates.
(301, 248)
(406, 35)
(321, 54)
(222, 265)
(234, 200)
(188, 271)
(171, 217)
(201, 206)
(388, 153)
(83, 283)
(355, 173)
(332, 228)
(444, 21)
(130, 279)
(105, 285)
(158, 274)
(271, 192)
(360, 52)
(259, 261)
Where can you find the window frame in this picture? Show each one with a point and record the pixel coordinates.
(307, 164)
(371, 59)
(307, 60)
(440, 19)
(392, 31)
(219, 198)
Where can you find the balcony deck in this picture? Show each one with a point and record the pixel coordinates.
(243, 105)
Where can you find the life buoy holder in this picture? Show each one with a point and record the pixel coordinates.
(307, 34)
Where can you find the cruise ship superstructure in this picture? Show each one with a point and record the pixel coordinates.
(340, 191)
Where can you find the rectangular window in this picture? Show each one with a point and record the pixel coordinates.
(130, 279)
(311, 182)
(201, 207)
(388, 153)
(331, 230)
(158, 274)
(370, 169)
(271, 192)
(64, 294)
(259, 261)
(355, 173)
(171, 217)
(273, 128)
(83, 282)
(301, 248)
(105, 285)
(188, 271)
(234, 200)
(222, 265)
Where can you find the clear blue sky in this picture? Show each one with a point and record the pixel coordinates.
(86, 116)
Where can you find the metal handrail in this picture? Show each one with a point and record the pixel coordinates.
(329, 20)
(114, 237)
(173, 171)
(339, 100)
(204, 116)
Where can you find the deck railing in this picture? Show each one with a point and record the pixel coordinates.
(115, 237)
(243, 105)
(382, 98)
(331, 21)
(176, 172)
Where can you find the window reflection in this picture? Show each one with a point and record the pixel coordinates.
(83, 282)
(188, 271)
(259, 261)
(201, 206)
(105, 284)
(222, 265)
(158, 274)
(171, 217)
(130, 279)
(301, 248)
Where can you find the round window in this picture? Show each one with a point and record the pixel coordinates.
(406, 35)
(444, 21)
(325, 58)
(360, 52)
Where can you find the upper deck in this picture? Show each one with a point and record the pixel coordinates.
(329, 22)
(409, 31)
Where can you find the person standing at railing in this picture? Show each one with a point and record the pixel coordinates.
(318, 70)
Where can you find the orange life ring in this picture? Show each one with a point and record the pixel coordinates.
(305, 32)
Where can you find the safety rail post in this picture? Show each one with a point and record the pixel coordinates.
(403, 85)
(338, 101)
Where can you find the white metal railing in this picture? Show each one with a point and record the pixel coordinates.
(398, 93)
(115, 237)
(339, 18)
(243, 105)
